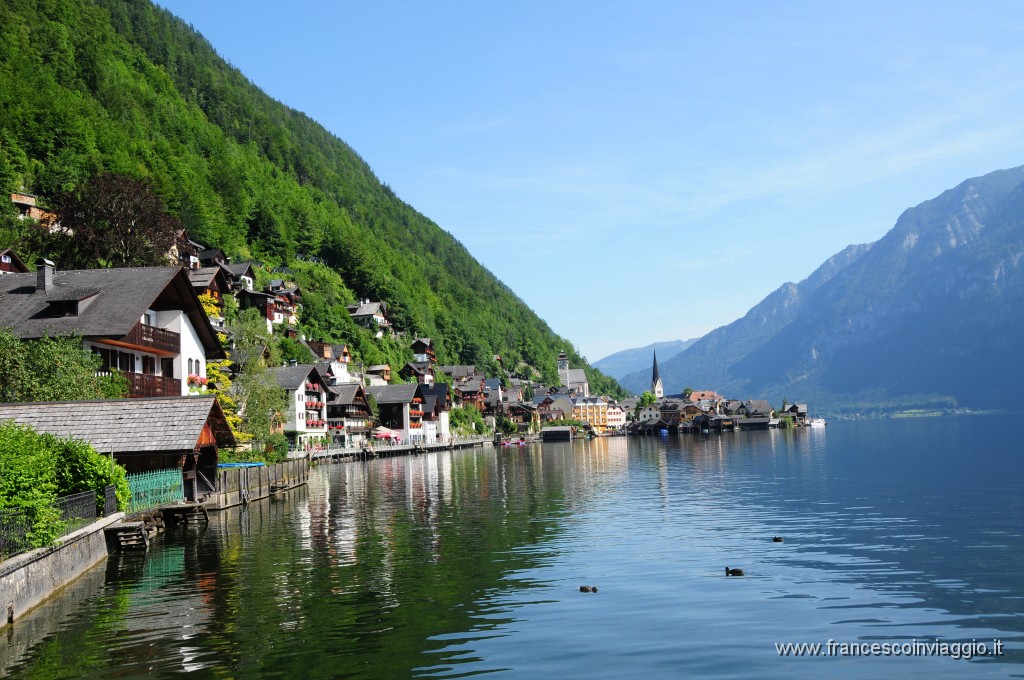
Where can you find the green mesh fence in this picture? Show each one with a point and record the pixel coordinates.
(154, 488)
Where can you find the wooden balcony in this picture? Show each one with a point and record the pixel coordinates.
(141, 385)
(152, 339)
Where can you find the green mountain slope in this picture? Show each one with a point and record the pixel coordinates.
(124, 86)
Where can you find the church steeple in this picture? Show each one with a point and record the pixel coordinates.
(656, 387)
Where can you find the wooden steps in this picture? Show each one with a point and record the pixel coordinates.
(128, 535)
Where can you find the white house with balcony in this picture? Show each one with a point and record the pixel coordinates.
(146, 322)
(307, 396)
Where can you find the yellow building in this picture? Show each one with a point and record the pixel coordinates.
(592, 410)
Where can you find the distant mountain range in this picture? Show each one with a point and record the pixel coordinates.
(639, 359)
(930, 314)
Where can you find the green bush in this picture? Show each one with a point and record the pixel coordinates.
(36, 469)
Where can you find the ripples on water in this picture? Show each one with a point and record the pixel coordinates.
(454, 564)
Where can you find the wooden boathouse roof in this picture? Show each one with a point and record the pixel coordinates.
(129, 426)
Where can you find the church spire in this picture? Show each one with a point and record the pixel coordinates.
(656, 387)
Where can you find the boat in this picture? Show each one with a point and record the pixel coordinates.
(815, 422)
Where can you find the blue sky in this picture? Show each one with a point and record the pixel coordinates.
(616, 163)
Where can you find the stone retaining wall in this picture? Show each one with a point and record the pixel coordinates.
(28, 579)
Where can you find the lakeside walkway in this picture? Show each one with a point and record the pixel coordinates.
(380, 449)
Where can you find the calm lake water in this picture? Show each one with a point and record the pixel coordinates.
(470, 562)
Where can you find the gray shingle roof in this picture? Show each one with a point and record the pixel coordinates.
(292, 377)
(343, 394)
(393, 394)
(117, 299)
(159, 424)
(203, 276)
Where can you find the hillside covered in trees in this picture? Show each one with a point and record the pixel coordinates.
(123, 86)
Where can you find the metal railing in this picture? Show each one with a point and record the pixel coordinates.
(77, 510)
(109, 501)
(155, 488)
(16, 524)
(15, 531)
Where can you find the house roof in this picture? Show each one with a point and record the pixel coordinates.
(576, 376)
(157, 424)
(343, 394)
(458, 372)
(203, 276)
(368, 309)
(237, 268)
(293, 377)
(119, 298)
(758, 406)
(432, 394)
(393, 394)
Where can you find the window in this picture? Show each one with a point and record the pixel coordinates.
(190, 367)
(125, 361)
(6, 259)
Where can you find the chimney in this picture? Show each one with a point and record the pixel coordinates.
(44, 274)
(293, 362)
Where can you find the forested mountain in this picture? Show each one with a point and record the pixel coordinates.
(930, 314)
(92, 86)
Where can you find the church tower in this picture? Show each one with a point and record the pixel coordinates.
(656, 387)
(563, 368)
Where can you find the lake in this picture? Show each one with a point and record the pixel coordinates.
(902, 533)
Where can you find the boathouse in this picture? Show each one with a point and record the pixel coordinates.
(157, 433)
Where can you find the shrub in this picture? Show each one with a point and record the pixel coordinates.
(35, 469)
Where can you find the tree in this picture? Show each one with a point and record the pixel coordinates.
(110, 221)
(647, 398)
(53, 369)
(261, 401)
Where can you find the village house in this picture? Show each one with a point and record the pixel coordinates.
(29, 210)
(470, 392)
(457, 373)
(423, 351)
(616, 417)
(305, 417)
(437, 406)
(525, 415)
(493, 396)
(143, 435)
(241, 274)
(348, 414)
(145, 322)
(649, 412)
(798, 412)
(10, 263)
(372, 315)
(756, 408)
(287, 301)
(553, 406)
(401, 411)
(378, 375)
(420, 371)
(335, 357)
(214, 282)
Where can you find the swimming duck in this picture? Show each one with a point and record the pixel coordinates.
(733, 572)
(588, 589)
(777, 539)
